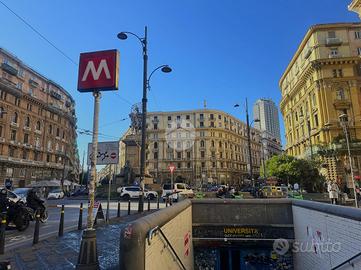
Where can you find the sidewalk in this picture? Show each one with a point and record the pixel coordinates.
(62, 253)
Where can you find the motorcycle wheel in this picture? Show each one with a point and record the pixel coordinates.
(22, 221)
(44, 216)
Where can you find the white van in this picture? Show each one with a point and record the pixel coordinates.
(178, 189)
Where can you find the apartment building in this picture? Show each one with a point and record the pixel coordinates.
(37, 126)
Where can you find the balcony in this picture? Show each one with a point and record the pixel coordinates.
(342, 104)
(308, 52)
(13, 124)
(33, 83)
(55, 95)
(333, 41)
(27, 128)
(334, 55)
(9, 69)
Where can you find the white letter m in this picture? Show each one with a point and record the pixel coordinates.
(96, 73)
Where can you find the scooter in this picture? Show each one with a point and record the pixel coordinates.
(18, 214)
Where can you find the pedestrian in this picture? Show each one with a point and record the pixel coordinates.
(333, 192)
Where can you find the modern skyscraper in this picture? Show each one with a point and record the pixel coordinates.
(265, 110)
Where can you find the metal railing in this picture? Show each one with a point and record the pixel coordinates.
(347, 261)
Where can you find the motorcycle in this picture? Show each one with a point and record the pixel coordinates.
(42, 211)
(18, 214)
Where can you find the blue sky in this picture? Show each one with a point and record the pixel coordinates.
(221, 51)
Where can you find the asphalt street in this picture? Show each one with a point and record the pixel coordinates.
(15, 239)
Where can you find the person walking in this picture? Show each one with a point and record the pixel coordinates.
(333, 192)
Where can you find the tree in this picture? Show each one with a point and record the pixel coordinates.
(292, 170)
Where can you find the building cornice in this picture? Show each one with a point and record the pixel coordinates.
(308, 34)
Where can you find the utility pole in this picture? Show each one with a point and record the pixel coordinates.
(82, 170)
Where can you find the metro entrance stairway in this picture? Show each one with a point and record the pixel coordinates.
(244, 234)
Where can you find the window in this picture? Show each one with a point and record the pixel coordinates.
(25, 154)
(9, 172)
(188, 125)
(3, 95)
(38, 125)
(155, 126)
(47, 158)
(50, 130)
(202, 143)
(155, 145)
(49, 145)
(29, 107)
(212, 124)
(37, 142)
(15, 117)
(203, 164)
(316, 120)
(27, 121)
(334, 52)
(178, 118)
(1, 131)
(213, 164)
(357, 34)
(331, 34)
(19, 85)
(26, 138)
(201, 124)
(13, 135)
(188, 117)
(179, 165)
(188, 164)
(188, 155)
(17, 102)
(179, 155)
(2, 112)
(169, 118)
(212, 143)
(201, 134)
(219, 117)
(334, 73)
(340, 73)
(201, 116)
(202, 154)
(155, 155)
(340, 94)
(211, 116)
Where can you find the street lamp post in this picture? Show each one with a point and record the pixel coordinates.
(249, 142)
(343, 121)
(165, 68)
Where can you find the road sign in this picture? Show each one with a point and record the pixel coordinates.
(171, 168)
(108, 153)
(98, 71)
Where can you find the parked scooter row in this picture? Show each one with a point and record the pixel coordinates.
(19, 213)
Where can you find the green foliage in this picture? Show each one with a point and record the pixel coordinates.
(292, 170)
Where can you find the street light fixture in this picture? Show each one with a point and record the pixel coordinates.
(344, 123)
(166, 69)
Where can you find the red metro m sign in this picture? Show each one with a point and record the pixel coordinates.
(98, 71)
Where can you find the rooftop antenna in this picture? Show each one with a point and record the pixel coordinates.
(205, 104)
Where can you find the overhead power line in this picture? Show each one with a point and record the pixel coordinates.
(39, 34)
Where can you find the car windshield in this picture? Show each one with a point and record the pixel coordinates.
(56, 191)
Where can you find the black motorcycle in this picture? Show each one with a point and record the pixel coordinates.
(18, 214)
(41, 210)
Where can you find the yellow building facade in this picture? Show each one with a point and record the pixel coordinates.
(321, 82)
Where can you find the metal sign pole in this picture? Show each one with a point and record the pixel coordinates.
(88, 255)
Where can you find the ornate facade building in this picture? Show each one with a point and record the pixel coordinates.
(37, 126)
(322, 82)
(205, 146)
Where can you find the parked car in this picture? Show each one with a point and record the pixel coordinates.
(176, 190)
(133, 192)
(56, 194)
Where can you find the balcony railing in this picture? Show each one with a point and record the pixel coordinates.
(333, 41)
(33, 83)
(9, 69)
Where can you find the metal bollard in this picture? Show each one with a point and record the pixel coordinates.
(166, 202)
(158, 202)
(61, 225)
(118, 211)
(2, 233)
(148, 204)
(129, 207)
(37, 226)
(170, 201)
(80, 221)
